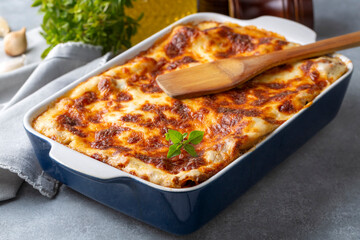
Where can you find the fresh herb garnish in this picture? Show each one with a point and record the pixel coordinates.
(179, 142)
(97, 22)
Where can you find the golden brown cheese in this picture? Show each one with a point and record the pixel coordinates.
(120, 117)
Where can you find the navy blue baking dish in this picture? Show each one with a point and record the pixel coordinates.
(182, 211)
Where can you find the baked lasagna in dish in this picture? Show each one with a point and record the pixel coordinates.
(121, 116)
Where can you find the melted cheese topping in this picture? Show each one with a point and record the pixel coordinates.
(120, 117)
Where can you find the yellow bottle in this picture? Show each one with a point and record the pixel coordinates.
(158, 14)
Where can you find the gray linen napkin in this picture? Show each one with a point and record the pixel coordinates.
(17, 159)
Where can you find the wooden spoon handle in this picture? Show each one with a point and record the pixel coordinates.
(314, 49)
(227, 73)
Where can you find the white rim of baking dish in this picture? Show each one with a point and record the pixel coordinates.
(86, 165)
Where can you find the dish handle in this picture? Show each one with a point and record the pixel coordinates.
(294, 32)
(83, 164)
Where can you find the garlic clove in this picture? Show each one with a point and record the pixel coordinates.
(4, 27)
(15, 43)
(12, 64)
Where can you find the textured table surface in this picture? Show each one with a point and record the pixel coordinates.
(314, 194)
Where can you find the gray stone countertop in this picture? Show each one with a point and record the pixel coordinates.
(314, 194)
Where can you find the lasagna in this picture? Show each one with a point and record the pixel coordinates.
(120, 117)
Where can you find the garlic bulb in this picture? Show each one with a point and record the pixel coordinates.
(15, 43)
(12, 64)
(4, 27)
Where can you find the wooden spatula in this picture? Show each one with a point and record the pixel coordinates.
(222, 75)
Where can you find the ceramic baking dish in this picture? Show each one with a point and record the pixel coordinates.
(183, 211)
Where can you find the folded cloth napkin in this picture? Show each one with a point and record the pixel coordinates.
(64, 64)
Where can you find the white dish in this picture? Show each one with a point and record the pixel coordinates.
(292, 31)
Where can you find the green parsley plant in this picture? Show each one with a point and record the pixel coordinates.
(97, 22)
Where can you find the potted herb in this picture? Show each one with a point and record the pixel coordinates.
(94, 22)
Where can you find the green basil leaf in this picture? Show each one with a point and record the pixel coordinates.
(174, 150)
(175, 136)
(36, 3)
(167, 137)
(191, 150)
(186, 142)
(178, 141)
(195, 137)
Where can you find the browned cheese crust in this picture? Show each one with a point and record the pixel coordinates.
(120, 117)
